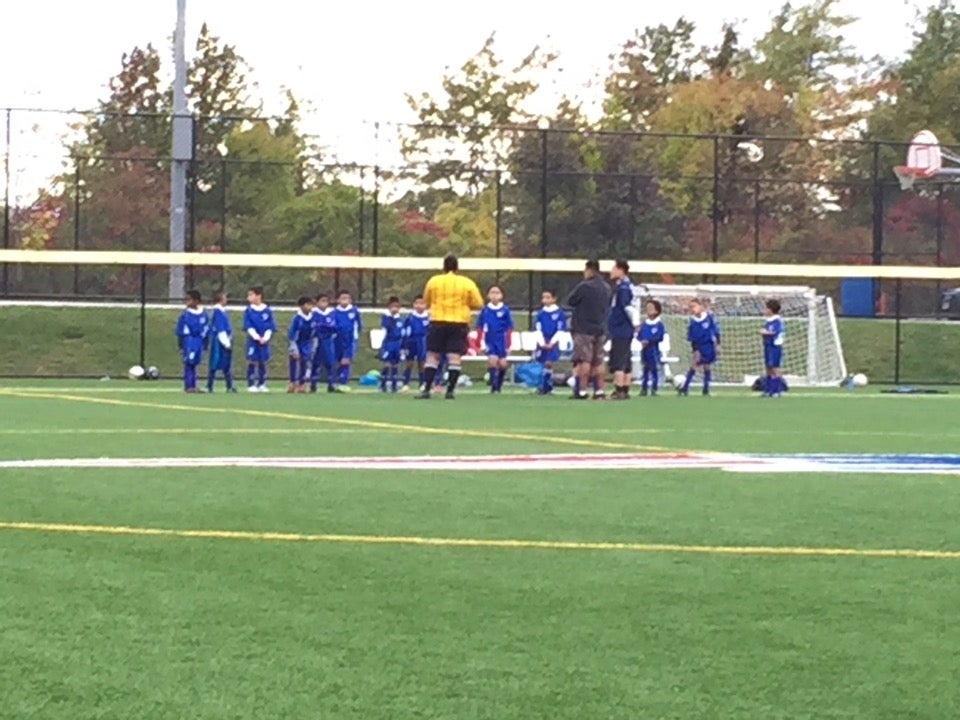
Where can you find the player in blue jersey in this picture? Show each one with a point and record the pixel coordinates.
(623, 324)
(349, 325)
(192, 336)
(550, 320)
(772, 349)
(259, 325)
(703, 334)
(325, 351)
(415, 342)
(650, 336)
(394, 332)
(221, 344)
(495, 326)
(300, 337)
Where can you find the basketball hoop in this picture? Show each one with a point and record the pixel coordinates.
(909, 175)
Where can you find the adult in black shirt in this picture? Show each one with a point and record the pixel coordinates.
(590, 301)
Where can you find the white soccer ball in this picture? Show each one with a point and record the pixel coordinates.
(860, 380)
(136, 373)
(678, 381)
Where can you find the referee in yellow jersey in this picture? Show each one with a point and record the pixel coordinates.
(450, 298)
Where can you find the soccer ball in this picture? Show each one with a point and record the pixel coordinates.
(136, 373)
(153, 373)
(860, 380)
(678, 381)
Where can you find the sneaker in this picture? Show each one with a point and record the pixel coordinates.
(231, 390)
(291, 388)
(422, 395)
(643, 393)
(252, 388)
(302, 390)
(331, 388)
(580, 396)
(263, 389)
(313, 388)
(449, 395)
(599, 396)
(342, 388)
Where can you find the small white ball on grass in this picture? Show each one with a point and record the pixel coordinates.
(860, 380)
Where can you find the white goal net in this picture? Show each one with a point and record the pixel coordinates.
(812, 354)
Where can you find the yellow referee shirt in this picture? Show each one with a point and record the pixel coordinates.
(451, 297)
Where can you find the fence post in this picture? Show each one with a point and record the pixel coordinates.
(76, 224)
(362, 228)
(376, 229)
(499, 218)
(143, 315)
(543, 193)
(877, 207)
(223, 215)
(939, 234)
(6, 203)
(715, 246)
(896, 336)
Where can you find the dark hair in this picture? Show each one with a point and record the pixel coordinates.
(622, 264)
(418, 297)
(304, 300)
(549, 290)
(220, 296)
(321, 296)
(194, 295)
(256, 290)
(393, 300)
(341, 293)
(593, 265)
(451, 264)
(774, 305)
(656, 306)
(495, 286)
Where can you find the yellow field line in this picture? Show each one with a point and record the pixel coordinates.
(343, 422)
(494, 544)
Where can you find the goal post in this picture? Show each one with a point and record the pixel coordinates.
(813, 354)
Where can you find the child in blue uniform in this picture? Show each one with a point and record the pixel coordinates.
(495, 326)
(650, 336)
(415, 342)
(325, 351)
(300, 337)
(191, 332)
(394, 331)
(348, 324)
(772, 349)
(703, 333)
(221, 344)
(550, 321)
(259, 325)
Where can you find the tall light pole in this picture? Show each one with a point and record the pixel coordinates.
(182, 153)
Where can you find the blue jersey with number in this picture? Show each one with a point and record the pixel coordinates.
(259, 319)
(324, 324)
(417, 324)
(651, 335)
(191, 331)
(495, 322)
(394, 327)
(348, 323)
(300, 333)
(773, 341)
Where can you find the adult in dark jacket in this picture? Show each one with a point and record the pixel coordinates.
(590, 301)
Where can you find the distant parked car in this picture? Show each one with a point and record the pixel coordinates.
(950, 304)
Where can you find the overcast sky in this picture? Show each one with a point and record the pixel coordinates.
(352, 62)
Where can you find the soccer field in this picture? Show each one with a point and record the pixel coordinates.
(262, 556)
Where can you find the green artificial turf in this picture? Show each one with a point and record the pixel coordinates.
(121, 626)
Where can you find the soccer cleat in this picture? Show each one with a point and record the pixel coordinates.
(600, 396)
(449, 395)
(580, 396)
(313, 389)
(331, 388)
(342, 388)
(231, 390)
(302, 390)
(252, 388)
(291, 388)
(263, 389)
(422, 395)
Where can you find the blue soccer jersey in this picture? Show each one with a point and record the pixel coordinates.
(324, 323)
(259, 325)
(192, 330)
(394, 327)
(300, 334)
(773, 336)
(495, 322)
(620, 321)
(550, 320)
(650, 336)
(348, 324)
(703, 333)
(415, 343)
(222, 345)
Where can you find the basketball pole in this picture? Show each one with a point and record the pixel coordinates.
(181, 154)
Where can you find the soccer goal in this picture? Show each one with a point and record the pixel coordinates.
(813, 356)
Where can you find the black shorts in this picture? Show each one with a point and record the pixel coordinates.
(446, 338)
(620, 357)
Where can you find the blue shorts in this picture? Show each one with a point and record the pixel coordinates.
(650, 356)
(220, 357)
(416, 348)
(346, 348)
(496, 346)
(708, 354)
(325, 354)
(545, 355)
(772, 356)
(192, 351)
(390, 352)
(304, 350)
(258, 353)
